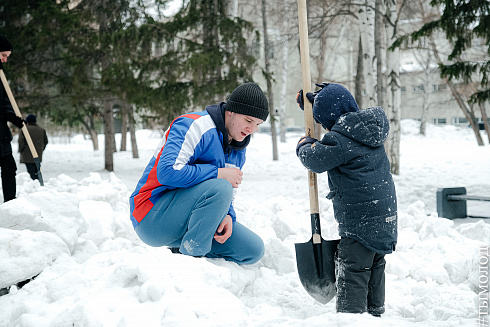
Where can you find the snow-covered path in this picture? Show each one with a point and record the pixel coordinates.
(94, 271)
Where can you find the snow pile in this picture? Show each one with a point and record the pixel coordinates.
(75, 236)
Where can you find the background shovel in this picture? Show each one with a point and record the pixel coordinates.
(37, 162)
(314, 259)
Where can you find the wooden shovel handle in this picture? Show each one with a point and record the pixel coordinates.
(17, 112)
(309, 122)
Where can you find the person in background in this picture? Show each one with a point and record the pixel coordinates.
(7, 114)
(184, 200)
(361, 189)
(39, 139)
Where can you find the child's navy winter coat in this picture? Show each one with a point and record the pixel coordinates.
(361, 186)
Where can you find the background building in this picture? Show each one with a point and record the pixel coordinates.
(333, 58)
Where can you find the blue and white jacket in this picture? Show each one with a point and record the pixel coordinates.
(191, 151)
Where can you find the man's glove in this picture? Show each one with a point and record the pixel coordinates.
(16, 120)
(303, 141)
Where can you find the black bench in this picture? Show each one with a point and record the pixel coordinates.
(451, 202)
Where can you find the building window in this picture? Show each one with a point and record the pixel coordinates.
(439, 121)
(438, 87)
(460, 120)
(403, 89)
(418, 88)
(255, 47)
(271, 50)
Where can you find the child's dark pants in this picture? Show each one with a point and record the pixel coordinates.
(360, 279)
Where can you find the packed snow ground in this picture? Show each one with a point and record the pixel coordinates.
(93, 271)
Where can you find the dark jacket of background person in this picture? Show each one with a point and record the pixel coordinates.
(39, 138)
(6, 111)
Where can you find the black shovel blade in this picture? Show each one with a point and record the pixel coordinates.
(316, 268)
(37, 162)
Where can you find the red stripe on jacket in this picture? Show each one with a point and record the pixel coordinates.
(142, 203)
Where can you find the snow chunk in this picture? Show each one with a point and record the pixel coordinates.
(25, 254)
(479, 231)
(100, 220)
(48, 211)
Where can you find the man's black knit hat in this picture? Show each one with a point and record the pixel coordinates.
(248, 99)
(5, 45)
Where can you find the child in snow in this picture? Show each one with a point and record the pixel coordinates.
(361, 189)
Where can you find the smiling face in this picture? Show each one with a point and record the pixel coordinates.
(240, 126)
(4, 55)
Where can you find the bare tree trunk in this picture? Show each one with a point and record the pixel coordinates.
(394, 104)
(95, 139)
(284, 74)
(457, 95)
(425, 104)
(320, 64)
(107, 105)
(93, 136)
(320, 60)
(426, 64)
(393, 98)
(485, 120)
(425, 61)
(380, 35)
(359, 76)
(459, 99)
(367, 39)
(270, 95)
(484, 116)
(132, 133)
(338, 42)
(124, 125)
(109, 135)
(88, 123)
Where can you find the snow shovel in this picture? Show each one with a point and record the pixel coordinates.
(37, 162)
(315, 259)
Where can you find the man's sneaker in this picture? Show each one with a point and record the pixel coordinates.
(174, 250)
